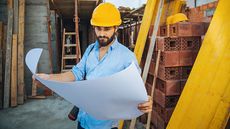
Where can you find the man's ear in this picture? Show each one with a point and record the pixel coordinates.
(116, 28)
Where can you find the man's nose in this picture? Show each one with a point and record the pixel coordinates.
(101, 33)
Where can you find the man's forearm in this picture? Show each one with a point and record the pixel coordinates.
(64, 77)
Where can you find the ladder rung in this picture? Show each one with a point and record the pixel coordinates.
(70, 57)
(65, 70)
(70, 33)
(70, 45)
(68, 66)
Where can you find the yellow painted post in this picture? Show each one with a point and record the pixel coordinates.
(205, 100)
(144, 29)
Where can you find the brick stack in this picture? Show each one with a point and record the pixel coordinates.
(178, 53)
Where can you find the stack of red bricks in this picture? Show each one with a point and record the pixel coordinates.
(179, 50)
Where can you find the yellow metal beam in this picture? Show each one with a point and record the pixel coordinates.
(143, 33)
(149, 17)
(205, 100)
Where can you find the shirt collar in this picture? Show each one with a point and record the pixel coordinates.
(113, 46)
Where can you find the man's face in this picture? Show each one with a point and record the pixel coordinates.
(105, 35)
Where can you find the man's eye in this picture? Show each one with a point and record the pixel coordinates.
(107, 29)
(98, 29)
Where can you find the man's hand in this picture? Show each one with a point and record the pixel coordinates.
(41, 75)
(62, 77)
(146, 107)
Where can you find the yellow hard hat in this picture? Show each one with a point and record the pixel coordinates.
(179, 17)
(106, 14)
(169, 20)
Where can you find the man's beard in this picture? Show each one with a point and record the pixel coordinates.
(105, 41)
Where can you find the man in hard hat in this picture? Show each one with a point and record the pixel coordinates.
(103, 58)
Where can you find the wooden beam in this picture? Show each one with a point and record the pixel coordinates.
(15, 30)
(1, 82)
(1, 34)
(4, 40)
(4, 50)
(14, 72)
(10, 4)
(49, 36)
(34, 88)
(8, 59)
(78, 52)
(1, 61)
(21, 31)
(58, 43)
(37, 97)
(47, 90)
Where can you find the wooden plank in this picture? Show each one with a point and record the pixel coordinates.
(1, 61)
(49, 37)
(58, 42)
(153, 87)
(1, 82)
(4, 48)
(78, 52)
(47, 90)
(10, 4)
(15, 29)
(37, 97)
(21, 33)
(34, 88)
(1, 34)
(8, 59)
(14, 72)
(4, 51)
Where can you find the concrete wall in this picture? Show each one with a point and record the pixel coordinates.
(36, 36)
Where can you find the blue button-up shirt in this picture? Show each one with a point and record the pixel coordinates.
(117, 58)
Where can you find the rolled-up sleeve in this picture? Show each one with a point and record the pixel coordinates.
(79, 69)
(132, 58)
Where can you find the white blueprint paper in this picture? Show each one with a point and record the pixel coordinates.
(114, 97)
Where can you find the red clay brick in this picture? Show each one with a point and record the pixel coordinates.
(152, 67)
(163, 30)
(168, 44)
(182, 83)
(148, 88)
(185, 71)
(197, 28)
(169, 73)
(149, 79)
(170, 58)
(165, 101)
(154, 118)
(169, 87)
(186, 58)
(165, 113)
(191, 43)
(180, 29)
